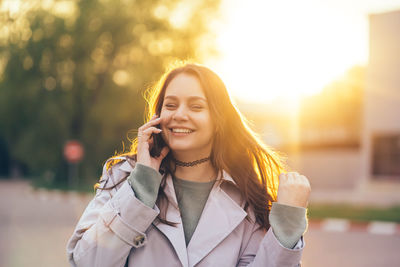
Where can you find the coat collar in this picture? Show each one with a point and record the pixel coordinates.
(126, 166)
(175, 234)
(221, 215)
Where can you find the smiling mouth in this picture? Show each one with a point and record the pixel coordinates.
(181, 130)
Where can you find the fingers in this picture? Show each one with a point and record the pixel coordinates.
(293, 177)
(294, 189)
(152, 122)
(147, 129)
(145, 143)
(144, 135)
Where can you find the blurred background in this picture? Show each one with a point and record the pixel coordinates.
(318, 80)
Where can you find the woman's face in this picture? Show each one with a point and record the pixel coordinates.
(186, 121)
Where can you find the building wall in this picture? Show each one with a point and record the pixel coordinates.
(328, 169)
(382, 92)
(353, 167)
(363, 167)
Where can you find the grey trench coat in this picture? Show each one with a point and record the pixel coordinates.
(116, 225)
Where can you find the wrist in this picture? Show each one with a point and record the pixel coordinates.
(290, 203)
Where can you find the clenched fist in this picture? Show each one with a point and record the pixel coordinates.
(294, 189)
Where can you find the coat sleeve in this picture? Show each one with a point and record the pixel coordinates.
(264, 250)
(113, 223)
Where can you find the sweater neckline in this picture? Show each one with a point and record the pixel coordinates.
(192, 184)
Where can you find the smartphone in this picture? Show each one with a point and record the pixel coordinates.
(158, 144)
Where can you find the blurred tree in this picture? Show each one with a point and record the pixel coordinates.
(78, 69)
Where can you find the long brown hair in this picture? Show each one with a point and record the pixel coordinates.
(236, 148)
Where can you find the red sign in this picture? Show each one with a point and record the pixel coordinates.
(73, 151)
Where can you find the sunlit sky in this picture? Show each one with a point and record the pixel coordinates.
(283, 49)
(289, 48)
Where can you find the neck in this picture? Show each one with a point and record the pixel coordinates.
(202, 172)
(189, 156)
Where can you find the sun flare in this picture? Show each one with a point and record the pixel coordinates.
(286, 49)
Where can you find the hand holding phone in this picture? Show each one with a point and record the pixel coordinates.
(151, 152)
(158, 144)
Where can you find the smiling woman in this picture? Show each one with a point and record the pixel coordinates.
(210, 197)
(187, 126)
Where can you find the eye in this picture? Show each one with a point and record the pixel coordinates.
(196, 107)
(170, 105)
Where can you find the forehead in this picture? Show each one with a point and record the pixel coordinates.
(184, 86)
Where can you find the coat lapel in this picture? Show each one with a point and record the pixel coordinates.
(175, 234)
(221, 215)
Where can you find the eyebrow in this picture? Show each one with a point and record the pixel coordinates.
(191, 98)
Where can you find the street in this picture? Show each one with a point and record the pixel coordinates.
(36, 224)
(350, 249)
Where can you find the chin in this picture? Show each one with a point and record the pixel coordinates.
(181, 148)
(188, 148)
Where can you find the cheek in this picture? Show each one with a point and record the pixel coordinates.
(208, 124)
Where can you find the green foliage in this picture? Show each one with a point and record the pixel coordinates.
(355, 213)
(80, 73)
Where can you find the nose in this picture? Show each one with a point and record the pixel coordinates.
(180, 114)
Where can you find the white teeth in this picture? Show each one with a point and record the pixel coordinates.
(177, 130)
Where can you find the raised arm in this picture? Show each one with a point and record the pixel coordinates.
(283, 244)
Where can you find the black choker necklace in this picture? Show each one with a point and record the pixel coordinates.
(190, 163)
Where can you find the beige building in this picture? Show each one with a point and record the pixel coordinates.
(364, 160)
(371, 169)
(381, 130)
(375, 163)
